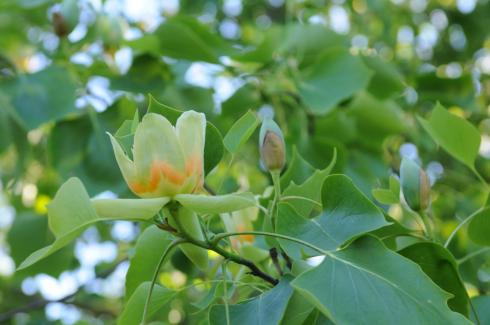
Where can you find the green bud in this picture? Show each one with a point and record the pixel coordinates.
(65, 20)
(272, 146)
(415, 185)
(110, 30)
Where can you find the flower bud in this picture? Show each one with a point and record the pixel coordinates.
(110, 30)
(415, 185)
(167, 160)
(65, 20)
(272, 146)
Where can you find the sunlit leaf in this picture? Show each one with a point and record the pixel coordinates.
(454, 134)
(347, 213)
(369, 284)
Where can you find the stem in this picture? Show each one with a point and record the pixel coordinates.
(459, 226)
(225, 293)
(155, 275)
(219, 237)
(213, 245)
(480, 177)
(254, 270)
(276, 180)
(427, 225)
(471, 255)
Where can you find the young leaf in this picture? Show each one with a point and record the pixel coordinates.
(369, 284)
(268, 308)
(149, 248)
(310, 189)
(133, 311)
(384, 196)
(299, 170)
(240, 132)
(347, 213)
(454, 134)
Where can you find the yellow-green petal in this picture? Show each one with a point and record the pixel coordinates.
(155, 140)
(191, 130)
(125, 164)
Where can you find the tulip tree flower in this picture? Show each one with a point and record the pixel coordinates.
(167, 166)
(167, 160)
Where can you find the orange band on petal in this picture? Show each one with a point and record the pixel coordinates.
(161, 168)
(137, 187)
(171, 174)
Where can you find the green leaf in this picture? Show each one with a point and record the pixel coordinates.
(310, 189)
(479, 227)
(44, 96)
(147, 73)
(148, 251)
(308, 41)
(186, 38)
(454, 134)
(133, 311)
(214, 293)
(66, 147)
(71, 212)
(28, 233)
(299, 170)
(386, 81)
(213, 147)
(439, 264)
(335, 76)
(347, 213)
(267, 308)
(243, 99)
(297, 310)
(240, 132)
(369, 284)
(482, 308)
(206, 204)
(376, 118)
(385, 196)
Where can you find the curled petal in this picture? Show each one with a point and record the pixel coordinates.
(125, 164)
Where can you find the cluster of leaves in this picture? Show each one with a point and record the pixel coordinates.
(345, 112)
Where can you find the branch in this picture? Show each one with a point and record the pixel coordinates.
(214, 246)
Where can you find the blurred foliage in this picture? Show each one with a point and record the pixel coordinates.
(357, 76)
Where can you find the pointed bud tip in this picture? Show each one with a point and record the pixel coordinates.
(272, 146)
